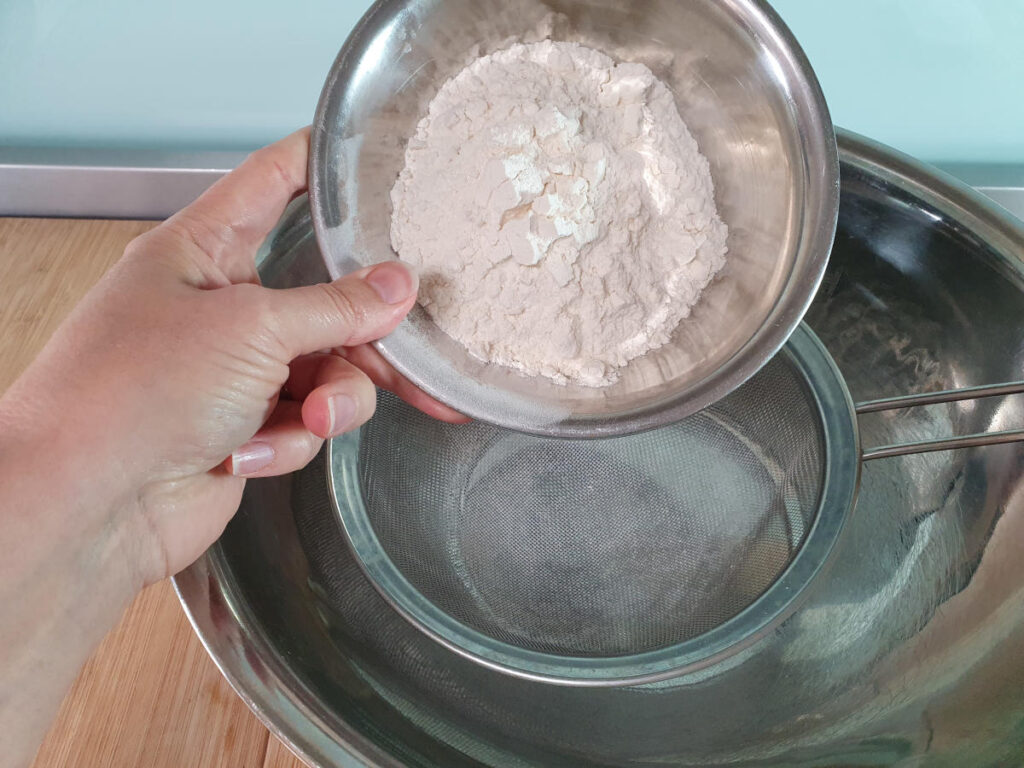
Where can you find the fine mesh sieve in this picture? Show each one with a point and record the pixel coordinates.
(597, 548)
(622, 560)
(601, 561)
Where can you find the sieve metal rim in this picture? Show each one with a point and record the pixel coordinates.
(839, 488)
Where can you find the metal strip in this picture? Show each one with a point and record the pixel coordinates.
(946, 444)
(1011, 198)
(945, 396)
(153, 184)
(932, 398)
(105, 183)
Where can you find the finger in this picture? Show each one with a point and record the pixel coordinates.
(361, 307)
(337, 397)
(232, 218)
(282, 445)
(372, 363)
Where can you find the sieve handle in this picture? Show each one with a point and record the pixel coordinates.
(944, 396)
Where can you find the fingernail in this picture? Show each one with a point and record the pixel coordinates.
(251, 457)
(393, 282)
(341, 410)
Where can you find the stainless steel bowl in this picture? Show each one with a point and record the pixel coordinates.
(908, 652)
(749, 97)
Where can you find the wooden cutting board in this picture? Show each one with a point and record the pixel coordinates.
(149, 696)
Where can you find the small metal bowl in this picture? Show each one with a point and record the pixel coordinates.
(750, 99)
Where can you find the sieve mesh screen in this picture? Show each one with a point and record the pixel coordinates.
(598, 548)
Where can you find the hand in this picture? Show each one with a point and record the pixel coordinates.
(181, 376)
(124, 448)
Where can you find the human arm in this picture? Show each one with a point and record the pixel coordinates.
(113, 443)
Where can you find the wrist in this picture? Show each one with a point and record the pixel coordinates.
(64, 577)
(58, 507)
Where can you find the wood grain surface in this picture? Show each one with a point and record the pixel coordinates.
(149, 696)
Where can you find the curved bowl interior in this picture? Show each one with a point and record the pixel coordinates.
(747, 94)
(904, 653)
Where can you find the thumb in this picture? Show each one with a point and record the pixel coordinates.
(355, 309)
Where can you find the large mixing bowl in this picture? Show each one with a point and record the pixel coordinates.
(750, 99)
(908, 652)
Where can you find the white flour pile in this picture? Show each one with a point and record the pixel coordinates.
(559, 211)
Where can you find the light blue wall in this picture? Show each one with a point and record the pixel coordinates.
(942, 79)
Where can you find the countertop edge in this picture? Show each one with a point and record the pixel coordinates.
(141, 184)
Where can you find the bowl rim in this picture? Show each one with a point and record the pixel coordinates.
(206, 592)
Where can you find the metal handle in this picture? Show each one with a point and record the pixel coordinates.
(945, 396)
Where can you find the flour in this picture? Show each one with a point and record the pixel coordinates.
(559, 211)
